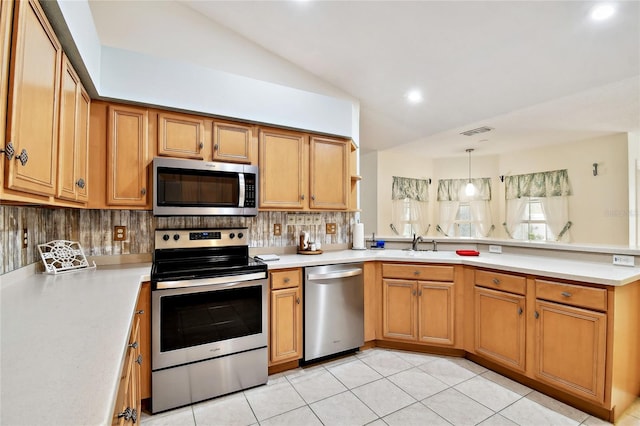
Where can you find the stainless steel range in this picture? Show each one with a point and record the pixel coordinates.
(209, 316)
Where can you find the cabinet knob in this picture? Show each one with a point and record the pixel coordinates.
(302, 197)
(566, 294)
(134, 345)
(419, 292)
(414, 292)
(536, 314)
(215, 147)
(81, 183)
(200, 145)
(8, 151)
(23, 157)
(519, 311)
(416, 272)
(129, 414)
(496, 281)
(143, 191)
(140, 312)
(313, 197)
(139, 359)
(286, 280)
(298, 300)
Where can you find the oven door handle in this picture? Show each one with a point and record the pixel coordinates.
(227, 281)
(333, 275)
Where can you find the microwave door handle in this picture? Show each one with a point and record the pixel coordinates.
(241, 192)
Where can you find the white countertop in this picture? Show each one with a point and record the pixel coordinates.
(552, 267)
(63, 340)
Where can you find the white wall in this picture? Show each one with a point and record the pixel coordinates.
(159, 29)
(368, 191)
(599, 207)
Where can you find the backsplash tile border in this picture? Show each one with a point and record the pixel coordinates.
(93, 229)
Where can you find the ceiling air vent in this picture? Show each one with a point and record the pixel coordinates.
(472, 132)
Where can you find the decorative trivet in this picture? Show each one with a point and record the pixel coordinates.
(60, 256)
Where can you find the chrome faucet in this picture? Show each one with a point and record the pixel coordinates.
(435, 245)
(414, 244)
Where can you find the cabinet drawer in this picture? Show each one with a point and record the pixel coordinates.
(504, 282)
(286, 278)
(418, 272)
(576, 295)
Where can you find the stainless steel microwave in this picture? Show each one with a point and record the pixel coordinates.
(201, 188)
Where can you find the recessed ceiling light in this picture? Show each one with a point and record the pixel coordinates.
(414, 96)
(602, 12)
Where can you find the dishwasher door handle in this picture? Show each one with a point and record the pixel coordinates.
(333, 275)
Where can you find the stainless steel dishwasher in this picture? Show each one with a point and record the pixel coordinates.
(333, 309)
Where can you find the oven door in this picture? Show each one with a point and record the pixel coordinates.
(192, 324)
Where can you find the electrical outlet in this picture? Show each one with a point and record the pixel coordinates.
(277, 229)
(620, 259)
(119, 233)
(495, 249)
(317, 219)
(331, 228)
(300, 219)
(308, 219)
(292, 219)
(25, 238)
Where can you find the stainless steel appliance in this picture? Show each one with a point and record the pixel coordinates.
(333, 310)
(203, 188)
(209, 316)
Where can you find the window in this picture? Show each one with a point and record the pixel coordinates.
(462, 215)
(464, 224)
(409, 206)
(533, 225)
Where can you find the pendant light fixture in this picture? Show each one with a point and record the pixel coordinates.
(470, 189)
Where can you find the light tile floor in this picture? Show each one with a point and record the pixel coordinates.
(380, 387)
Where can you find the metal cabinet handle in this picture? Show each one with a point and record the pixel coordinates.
(536, 314)
(215, 147)
(139, 359)
(140, 312)
(8, 151)
(414, 292)
(519, 311)
(566, 294)
(134, 345)
(496, 281)
(81, 184)
(420, 293)
(286, 280)
(298, 300)
(129, 414)
(200, 145)
(416, 272)
(302, 197)
(143, 191)
(313, 198)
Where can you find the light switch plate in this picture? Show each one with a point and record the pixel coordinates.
(621, 259)
(277, 229)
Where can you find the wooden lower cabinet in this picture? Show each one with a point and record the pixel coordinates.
(128, 403)
(570, 349)
(285, 326)
(500, 327)
(143, 310)
(419, 311)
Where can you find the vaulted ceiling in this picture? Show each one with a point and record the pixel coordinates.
(537, 72)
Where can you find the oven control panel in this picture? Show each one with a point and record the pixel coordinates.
(185, 238)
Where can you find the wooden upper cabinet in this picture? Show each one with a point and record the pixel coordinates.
(181, 135)
(329, 173)
(282, 169)
(73, 136)
(127, 159)
(34, 89)
(6, 12)
(232, 142)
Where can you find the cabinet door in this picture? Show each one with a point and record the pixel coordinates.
(435, 312)
(500, 327)
(180, 135)
(73, 136)
(286, 325)
(570, 349)
(33, 105)
(329, 174)
(282, 176)
(6, 13)
(127, 156)
(399, 309)
(143, 311)
(232, 142)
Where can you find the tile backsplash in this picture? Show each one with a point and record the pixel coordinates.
(93, 229)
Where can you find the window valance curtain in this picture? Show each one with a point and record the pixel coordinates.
(453, 189)
(544, 184)
(413, 189)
